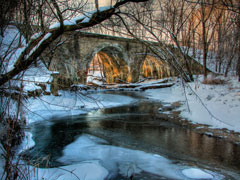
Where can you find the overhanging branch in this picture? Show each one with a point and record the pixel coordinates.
(35, 48)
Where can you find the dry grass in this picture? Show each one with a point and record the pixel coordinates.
(214, 81)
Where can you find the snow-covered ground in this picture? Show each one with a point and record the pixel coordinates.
(214, 105)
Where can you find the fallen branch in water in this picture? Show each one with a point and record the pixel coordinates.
(165, 85)
(134, 86)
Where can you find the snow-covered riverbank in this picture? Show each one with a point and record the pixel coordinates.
(215, 105)
(72, 103)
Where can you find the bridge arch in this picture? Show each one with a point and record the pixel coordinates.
(107, 62)
(108, 46)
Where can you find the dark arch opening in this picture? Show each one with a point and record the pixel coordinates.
(107, 66)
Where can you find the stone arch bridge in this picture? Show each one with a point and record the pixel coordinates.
(73, 57)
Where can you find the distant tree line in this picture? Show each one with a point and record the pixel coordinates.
(207, 30)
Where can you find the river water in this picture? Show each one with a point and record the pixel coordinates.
(138, 126)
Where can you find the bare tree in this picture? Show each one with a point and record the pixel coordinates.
(217, 25)
(41, 22)
(31, 53)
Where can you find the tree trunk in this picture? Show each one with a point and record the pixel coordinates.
(205, 63)
(228, 66)
(97, 5)
(220, 66)
(204, 40)
(194, 45)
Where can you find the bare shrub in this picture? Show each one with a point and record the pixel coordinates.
(214, 81)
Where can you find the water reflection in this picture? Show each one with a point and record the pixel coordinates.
(180, 143)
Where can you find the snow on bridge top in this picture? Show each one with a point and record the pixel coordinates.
(110, 37)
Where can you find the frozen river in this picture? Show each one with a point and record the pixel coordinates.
(134, 141)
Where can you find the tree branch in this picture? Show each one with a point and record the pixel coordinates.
(36, 47)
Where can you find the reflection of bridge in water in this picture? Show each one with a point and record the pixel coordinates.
(117, 58)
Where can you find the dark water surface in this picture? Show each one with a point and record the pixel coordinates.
(137, 126)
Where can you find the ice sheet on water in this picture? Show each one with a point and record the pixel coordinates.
(83, 170)
(128, 162)
(70, 103)
(117, 159)
(110, 100)
(195, 173)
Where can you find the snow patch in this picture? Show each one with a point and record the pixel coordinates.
(12, 45)
(36, 35)
(48, 35)
(85, 18)
(27, 143)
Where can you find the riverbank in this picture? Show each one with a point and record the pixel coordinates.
(74, 103)
(130, 136)
(209, 109)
